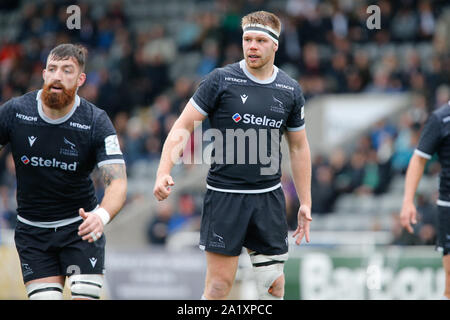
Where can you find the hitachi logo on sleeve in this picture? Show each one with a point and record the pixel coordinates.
(262, 121)
(49, 163)
(80, 126)
(25, 117)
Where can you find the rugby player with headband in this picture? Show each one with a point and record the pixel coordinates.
(244, 205)
(262, 29)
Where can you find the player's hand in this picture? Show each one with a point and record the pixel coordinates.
(408, 215)
(92, 227)
(304, 220)
(163, 186)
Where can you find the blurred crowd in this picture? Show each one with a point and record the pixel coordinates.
(143, 78)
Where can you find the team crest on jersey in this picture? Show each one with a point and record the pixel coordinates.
(69, 149)
(277, 105)
(237, 117)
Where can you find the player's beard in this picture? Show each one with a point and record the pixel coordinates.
(261, 62)
(58, 100)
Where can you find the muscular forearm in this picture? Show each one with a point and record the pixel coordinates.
(115, 181)
(173, 148)
(413, 176)
(114, 197)
(178, 138)
(301, 172)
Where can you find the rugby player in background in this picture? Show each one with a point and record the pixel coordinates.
(57, 138)
(434, 139)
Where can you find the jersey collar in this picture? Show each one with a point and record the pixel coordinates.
(59, 120)
(253, 78)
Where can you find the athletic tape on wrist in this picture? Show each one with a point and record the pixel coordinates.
(103, 214)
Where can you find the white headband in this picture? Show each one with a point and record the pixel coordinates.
(260, 28)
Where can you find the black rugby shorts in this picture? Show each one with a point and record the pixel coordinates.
(444, 229)
(45, 252)
(231, 221)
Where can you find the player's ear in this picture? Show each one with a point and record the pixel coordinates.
(275, 47)
(43, 73)
(81, 79)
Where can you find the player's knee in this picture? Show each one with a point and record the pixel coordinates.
(86, 286)
(269, 275)
(218, 288)
(44, 291)
(277, 287)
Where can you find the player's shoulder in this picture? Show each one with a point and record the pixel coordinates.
(231, 68)
(89, 108)
(443, 112)
(285, 80)
(228, 74)
(227, 70)
(100, 122)
(231, 71)
(27, 100)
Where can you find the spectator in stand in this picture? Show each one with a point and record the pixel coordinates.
(186, 217)
(322, 190)
(427, 219)
(158, 228)
(8, 203)
(403, 145)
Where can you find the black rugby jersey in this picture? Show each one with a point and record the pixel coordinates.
(435, 137)
(246, 111)
(54, 158)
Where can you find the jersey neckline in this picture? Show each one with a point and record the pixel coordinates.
(271, 79)
(59, 120)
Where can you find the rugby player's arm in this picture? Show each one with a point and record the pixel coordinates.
(173, 148)
(300, 157)
(115, 183)
(114, 178)
(414, 173)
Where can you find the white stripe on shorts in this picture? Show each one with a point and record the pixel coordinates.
(244, 191)
(49, 224)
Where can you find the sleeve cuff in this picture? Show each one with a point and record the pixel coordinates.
(196, 106)
(111, 161)
(293, 129)
(422, 154)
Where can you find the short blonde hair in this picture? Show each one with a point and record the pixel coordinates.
(264, 18)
